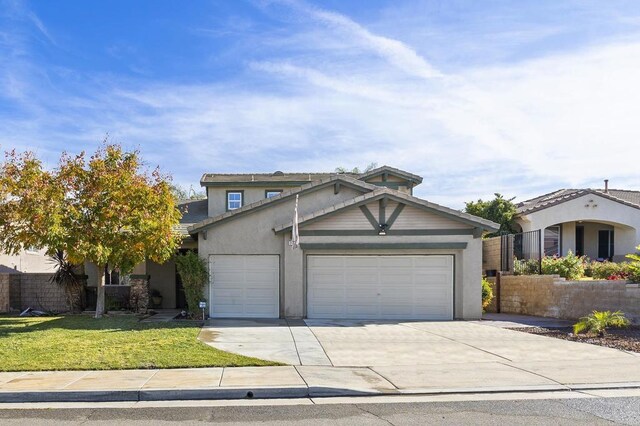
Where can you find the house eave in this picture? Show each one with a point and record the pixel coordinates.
(478, 224)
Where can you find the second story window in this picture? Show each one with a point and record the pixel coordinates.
(234, 200)
(272, 192)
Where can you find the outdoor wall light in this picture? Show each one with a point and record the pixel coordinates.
(383, 229)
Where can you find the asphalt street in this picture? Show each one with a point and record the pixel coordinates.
(625, 410)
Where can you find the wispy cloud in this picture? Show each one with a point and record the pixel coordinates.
(394, 51)
(350, 96)
(40, 26)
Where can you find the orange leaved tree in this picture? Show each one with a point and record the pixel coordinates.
(106, 209)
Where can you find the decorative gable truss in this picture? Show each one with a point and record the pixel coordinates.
(383, 212)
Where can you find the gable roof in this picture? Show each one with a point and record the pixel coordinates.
(392, 171)
(626, 197)
(400, 197)
(193, 211)
(311, 186)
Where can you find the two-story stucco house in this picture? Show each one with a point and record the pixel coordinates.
(368, 249)
(599, 223)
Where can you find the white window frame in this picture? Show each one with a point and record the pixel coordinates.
(229, 201)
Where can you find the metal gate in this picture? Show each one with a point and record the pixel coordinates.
(521, 252)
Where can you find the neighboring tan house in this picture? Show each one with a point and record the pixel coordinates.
(368, 249)
(30, 260)
(162, 277)
(599, 223)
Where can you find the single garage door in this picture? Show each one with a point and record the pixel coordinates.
(244, 286)
(380, 287)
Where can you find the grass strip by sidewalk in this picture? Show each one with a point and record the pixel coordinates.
(81, 342)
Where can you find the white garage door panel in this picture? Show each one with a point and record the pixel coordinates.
(380, 287)
(245, 286)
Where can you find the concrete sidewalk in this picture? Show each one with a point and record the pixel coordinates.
(317, 381)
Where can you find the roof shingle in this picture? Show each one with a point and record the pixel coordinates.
(627, 197)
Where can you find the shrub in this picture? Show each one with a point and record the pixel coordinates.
(487, 293)
(598, 322)
(66, 277)
(609, 270)
(526, 267)
(570, 266)
(194, 274)
(634, 266)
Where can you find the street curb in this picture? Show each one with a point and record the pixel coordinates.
(275, 393)
(224, 393)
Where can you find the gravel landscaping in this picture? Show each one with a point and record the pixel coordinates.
(626, 339)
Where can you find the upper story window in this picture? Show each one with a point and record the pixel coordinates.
(234, 200)
(272, 192)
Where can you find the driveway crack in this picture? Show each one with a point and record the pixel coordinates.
(295, 345)
(295, 367)
(381, 375)
(318, 340)
(456, 341)
(537, 374)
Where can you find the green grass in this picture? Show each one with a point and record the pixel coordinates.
(111, 343)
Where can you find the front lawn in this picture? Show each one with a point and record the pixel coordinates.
(111, 343)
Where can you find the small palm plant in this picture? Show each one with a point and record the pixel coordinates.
(66, 277)
(598, 322)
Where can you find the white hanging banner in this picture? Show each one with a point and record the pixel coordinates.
(295, 236)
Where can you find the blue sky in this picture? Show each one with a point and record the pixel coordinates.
(517, 97)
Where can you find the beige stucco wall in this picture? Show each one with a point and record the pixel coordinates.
(28, 261)
(549, 296)
(217, 196)
(163, 279)
(253, 234)
(589, 208)
(376, 180)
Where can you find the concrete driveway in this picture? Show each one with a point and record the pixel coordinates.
(426, 355)
(348, 343)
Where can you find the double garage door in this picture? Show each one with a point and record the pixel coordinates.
(380, 287)
(349, 287)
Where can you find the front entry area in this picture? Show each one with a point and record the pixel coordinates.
(380, 287)
(244, 286)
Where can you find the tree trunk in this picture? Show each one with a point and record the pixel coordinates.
(100, 293)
